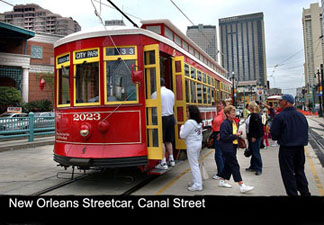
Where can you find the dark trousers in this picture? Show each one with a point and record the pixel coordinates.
(231, 166)
(256, 160)
(291, 162)
(218, 156)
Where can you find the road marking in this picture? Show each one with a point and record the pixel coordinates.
(316, 177)
(165, 187)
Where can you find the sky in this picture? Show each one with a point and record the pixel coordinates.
(282, 20)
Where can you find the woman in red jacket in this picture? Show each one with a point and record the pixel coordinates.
(217, 121)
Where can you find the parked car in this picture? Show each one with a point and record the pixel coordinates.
(41, 120)
(11, 115)
(44, 120)
(13, 121)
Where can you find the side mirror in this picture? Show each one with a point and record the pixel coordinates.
(137, 76)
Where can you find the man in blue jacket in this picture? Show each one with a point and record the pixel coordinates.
(290, 128)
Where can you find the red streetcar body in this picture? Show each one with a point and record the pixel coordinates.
(104, 119)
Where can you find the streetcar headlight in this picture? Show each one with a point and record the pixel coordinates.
(85, 130)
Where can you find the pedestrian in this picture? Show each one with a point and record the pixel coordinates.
(191, 131)
(265, 129)
(246, 112)
(217, 121)
(290, 128)
(168, 123)
(255, 136)
(229, 144)
(247, 123)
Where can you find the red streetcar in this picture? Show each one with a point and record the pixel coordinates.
(105, 116)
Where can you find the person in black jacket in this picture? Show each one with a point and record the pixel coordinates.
(228, 143)
(290, 128)
(255, 137)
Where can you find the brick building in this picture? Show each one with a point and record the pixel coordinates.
(25, 57)
(41, 50)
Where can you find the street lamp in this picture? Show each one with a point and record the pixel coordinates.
(233, 89)
(319, 92)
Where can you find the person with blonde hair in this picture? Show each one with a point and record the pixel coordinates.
(228, 142)
(255, 137)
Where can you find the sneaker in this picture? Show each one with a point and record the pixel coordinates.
(162, 166)
(190, 184)
(195, 188)
(215, 177)
(223, 183)
(172, 163)
(245, 188)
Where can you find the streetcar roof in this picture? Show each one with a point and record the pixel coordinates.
(101, 31)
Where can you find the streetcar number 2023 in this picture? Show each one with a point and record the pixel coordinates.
(86, 116)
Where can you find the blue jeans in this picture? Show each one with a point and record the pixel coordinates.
(218, 156)
(256, 160)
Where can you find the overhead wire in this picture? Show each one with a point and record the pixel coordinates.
(182, 12)
(115, 46)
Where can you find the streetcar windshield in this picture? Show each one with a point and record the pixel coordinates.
(119, 81)
(87, 82)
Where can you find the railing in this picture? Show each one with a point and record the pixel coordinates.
(26, 126)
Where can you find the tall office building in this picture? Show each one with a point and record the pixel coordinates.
(33, 17)
(313, 46)
(242, 44)
(205, 37)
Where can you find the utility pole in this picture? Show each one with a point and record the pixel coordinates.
(319, 93)
(322, 82)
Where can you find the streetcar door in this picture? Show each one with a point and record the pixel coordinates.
(153, 102)
(180, 101)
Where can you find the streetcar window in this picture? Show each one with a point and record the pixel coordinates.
(185, 46)
(168, 33)
(64, 85)
(193, 73)
(119, 81)
(155, 29)
(199, 93)
(193, 91)
(87, 82)
(177, 40)
(191, 50)
(204, 94)
(198, 75)
(186, 69)
(187, 91)
(208, 95)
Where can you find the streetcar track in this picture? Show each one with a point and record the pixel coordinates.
(317, 143)
(128, 192)
(62, 184)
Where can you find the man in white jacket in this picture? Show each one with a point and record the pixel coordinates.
(191, 131)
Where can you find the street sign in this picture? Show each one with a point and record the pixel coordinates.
(14, 109)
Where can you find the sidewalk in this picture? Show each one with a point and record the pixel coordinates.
(24, 143)
(269, 183)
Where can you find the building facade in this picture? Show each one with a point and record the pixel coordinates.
(25, 58)
(205, 37)
(33, 17)
(242, 43)
(313, 44)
